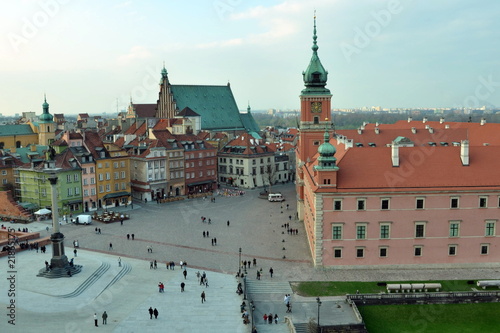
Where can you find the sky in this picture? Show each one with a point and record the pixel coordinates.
(94, 56)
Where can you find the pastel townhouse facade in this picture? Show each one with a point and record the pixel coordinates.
(247, 162)
(397, 198)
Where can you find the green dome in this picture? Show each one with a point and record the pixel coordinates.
(327, 159)
(327, 149)
(45, 117)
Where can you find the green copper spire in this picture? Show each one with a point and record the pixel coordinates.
(326, 159)
(315, 76)
(45, 117)
(164, 71)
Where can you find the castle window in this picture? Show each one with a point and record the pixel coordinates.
(316, 120)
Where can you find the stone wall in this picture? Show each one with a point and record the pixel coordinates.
(10, 210)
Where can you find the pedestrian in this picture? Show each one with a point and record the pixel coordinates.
(258, 275)
(185, 273)
(104, 318)
(198, 275)
(215, 241)
(128, 236)
(150, 265)
(75, 252)
(270, 318)
(155, 264)
(95, 320)
(254, 262)
(271, 271)
(208, 234)
(155, 312)
(132, 236)
(265, 317)
(203, 297)
(96, 230)
(110, 246)
(99, 231)
(206, 282)
(276, 318)
(150, 313)
(119, 262)
(159, 287)
(121, 221)
(289, 217)
(182, 286)
(204, 234)
(228, 223)
(212, 242)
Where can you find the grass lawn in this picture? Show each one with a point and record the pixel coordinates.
(438, 318)
(329, 288)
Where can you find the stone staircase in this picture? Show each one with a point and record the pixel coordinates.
(268, 287)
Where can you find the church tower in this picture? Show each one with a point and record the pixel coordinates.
(165, 106)
(46, 125)
(315, 116)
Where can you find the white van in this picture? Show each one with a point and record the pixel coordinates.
(82, 219)
(275, 197)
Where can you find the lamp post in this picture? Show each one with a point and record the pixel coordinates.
(319, 305)
(239, 264)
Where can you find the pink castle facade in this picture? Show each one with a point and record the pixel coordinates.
(407, 194)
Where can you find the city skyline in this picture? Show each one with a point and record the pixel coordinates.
(91, 57)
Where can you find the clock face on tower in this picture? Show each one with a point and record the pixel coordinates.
(316, 107)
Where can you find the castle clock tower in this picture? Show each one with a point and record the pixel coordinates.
(46, 125)
(315, 116)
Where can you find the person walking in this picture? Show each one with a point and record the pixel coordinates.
(155, 312)
(133, 236)
(203, 297)
(104, 318)
(228, 223)
(150, 313)
(182, 286)
(110, 246)
(271, 271)
(75, 252)
(185, 273)
(95, 320)
(119, 262)
(276, 318)
(128, 236)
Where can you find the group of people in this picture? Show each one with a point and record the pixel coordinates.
(104, 319)
(269, 318)
(153, 312)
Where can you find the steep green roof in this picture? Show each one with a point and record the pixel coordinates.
(249, 122)
(215, 105)
(10, 130)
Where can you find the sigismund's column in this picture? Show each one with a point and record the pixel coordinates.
(59, 259)
(59, 265)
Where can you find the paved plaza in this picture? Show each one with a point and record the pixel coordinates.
(174, 231)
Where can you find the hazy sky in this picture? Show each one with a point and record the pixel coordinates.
(87, 55)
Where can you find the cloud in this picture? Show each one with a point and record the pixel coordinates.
(223, 43)
(136, 52)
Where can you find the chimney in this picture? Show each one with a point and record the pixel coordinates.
(464, 152)
(376, 124)
(427, 127)
(409, 119)
(483, 121)
(414, 130)
(431, 130)
(395, 154)
(446, 126)
(377, 130)
(424, 120)
(360, 131)
(441, 120)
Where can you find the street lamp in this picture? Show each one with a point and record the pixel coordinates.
(239, 264)
(319, 305)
